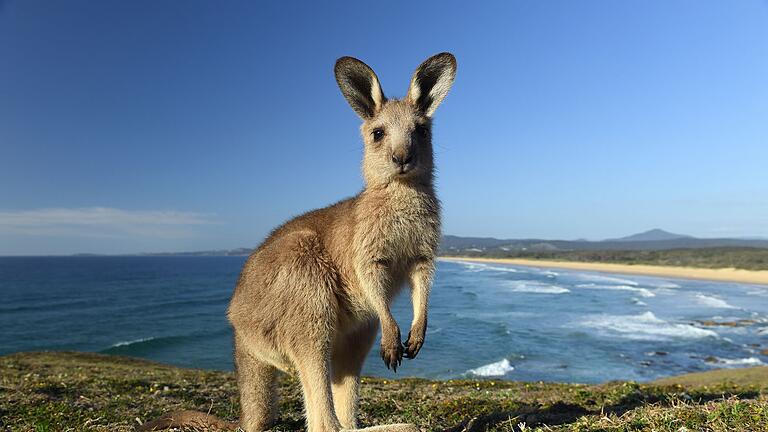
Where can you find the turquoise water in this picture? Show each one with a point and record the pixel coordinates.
(486, 320)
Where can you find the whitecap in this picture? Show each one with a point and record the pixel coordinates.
(664, 285)
(606, 279)
(131, 342)
(476, 267)
(536, 287)
(638, 302)
(500, 368)
(643, 292)
(713, 302)
(503, 269)
(645, 326)
(749, 361)
(470, 266)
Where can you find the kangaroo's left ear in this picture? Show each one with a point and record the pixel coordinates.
(431, 82)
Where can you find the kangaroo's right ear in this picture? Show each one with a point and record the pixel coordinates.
(360, 86)
(431, 82)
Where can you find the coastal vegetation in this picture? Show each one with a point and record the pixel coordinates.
(57, 391)
(745, 258)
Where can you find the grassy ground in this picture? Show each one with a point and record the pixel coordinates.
(84, 392)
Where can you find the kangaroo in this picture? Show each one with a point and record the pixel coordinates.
(311, 298)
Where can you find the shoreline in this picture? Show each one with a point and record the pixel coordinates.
(755, 277)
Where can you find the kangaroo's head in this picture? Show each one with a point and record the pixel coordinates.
(397, 133)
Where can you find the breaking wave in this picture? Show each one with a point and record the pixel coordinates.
(713, 302)
(536, 287)
(500, 368)
(645, 326)
(642, 292)
(131, 342)
(606, 279)
(665, 285)
(478, 267)
(749, 361)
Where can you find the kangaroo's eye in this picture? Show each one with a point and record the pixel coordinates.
(378, 134)
(422, 130)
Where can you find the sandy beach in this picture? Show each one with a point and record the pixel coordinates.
(720, 275)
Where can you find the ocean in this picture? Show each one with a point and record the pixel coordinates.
(485, 320)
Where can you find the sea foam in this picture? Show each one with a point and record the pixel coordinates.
(713, 302)
(500, 368)
(478, 267)
(535, 287)
(131, 342)
(645, 326)
(605, 279)
(749, 361)
(643, 292)
(638, 302)
(665, 285)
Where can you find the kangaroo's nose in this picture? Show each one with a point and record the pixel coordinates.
(402, 159)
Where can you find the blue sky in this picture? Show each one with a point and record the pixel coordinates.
(185, 125)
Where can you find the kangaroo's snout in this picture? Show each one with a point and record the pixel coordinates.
(404, 159)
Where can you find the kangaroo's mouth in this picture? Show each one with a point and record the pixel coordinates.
(405, 170)
(406, 167)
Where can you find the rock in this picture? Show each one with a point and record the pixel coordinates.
(710, 359)
(764, 352)
(712, 323)
(736, 323)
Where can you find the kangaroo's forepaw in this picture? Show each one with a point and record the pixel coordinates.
(392, 355)
(412, 346)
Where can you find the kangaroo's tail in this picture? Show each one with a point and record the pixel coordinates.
(188, 419)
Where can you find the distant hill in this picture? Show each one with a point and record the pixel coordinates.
(655, 239)
(221, 252)
(655, 234)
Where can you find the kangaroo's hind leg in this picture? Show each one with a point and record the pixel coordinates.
(257, 383)
(314, 374)
(349, 354)
(308, 326)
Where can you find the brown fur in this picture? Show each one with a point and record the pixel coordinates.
(311, 298)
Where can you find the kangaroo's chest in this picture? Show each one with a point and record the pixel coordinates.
(411, 233)
(401, 230)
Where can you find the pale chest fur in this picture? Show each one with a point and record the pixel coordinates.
(397, 226)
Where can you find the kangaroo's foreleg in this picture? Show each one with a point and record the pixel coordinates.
(376, 283)
(420, 278)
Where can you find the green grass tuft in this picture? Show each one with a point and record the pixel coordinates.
(90, 392)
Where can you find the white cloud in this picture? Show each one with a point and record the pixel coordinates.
(101, 222)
